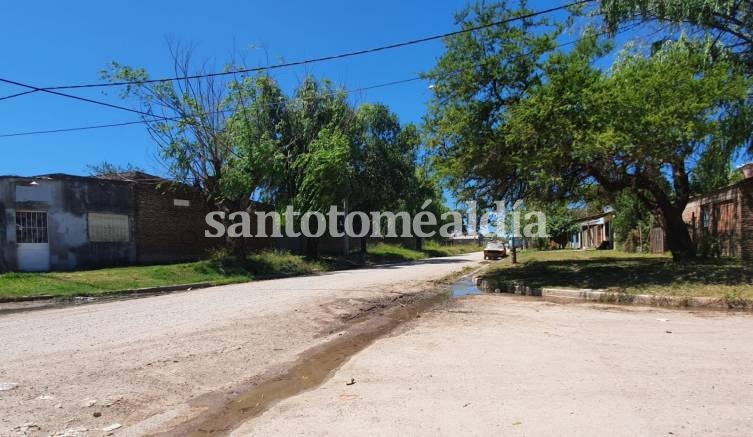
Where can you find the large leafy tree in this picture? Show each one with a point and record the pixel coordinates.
(726, 26)
(729, 23)
(217, 135)
(475, 81)
(384, 154)
(572, 126)
(635, 127)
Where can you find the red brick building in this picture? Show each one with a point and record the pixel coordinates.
(170, 221)
(721, 222)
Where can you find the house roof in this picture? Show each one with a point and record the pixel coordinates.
(592, 217)
(57, 176)
(126, 177)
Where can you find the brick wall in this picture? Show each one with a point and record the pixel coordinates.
(170, 224)
(168, 232)
(746, 219)
(731, 218)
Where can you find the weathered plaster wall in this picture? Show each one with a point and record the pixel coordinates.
(68, 202)
(7, 225)
(78, 197)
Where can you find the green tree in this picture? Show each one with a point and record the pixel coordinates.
(106, 168)
(633, 128)
(384, 161)
(573, 126)
(632, 222)
(729, 23)
(478, 77)
(326, 176)
(212, 134)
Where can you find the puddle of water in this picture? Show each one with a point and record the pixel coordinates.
(465, 287)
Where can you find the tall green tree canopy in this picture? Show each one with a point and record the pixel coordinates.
(244, 138)
(636, 126)
(474, 82)
(729, 22)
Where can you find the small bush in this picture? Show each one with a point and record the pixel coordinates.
(224, 261)
(271, 262)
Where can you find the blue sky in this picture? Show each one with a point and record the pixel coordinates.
(48, 43)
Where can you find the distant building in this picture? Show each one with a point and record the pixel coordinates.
(64, 222)
(721, 223)
(459, 238)
(592, 232)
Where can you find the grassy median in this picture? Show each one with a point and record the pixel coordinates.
(729, 279)
(102, 281)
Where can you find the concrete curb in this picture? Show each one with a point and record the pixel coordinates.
(604, 296)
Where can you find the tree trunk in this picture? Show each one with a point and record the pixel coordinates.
(678, 237)
(312, 248)
(237, 245)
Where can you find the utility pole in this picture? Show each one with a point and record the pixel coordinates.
(514, 251)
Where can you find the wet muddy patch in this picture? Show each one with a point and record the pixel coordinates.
(220, 416)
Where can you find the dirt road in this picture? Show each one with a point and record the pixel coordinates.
(494, 365)
(145, 364)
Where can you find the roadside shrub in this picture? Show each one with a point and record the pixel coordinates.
(277, 262)
(223, 260)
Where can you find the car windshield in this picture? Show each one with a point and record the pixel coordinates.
(495, 246)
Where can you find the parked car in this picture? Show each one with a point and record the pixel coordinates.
(495, 250)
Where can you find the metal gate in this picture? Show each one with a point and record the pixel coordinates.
(32, 238)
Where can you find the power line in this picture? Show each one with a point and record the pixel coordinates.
(22, 93)
(72, 129)
(71, 96)
(320, 59)
(355, 90)
(129, 123)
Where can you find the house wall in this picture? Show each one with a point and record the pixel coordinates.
(166, 232)
(170, 231)
(67, 201)
(746, 219)
(7, 225)
(590, 235)
(730, 208)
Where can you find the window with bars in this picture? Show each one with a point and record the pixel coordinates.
(31, 227)
(109, 228)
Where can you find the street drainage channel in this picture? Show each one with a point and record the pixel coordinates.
(311, 369)
(465, 287)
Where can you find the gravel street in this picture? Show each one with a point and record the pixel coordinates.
(494, 365)
(142, 363)
(479, 365)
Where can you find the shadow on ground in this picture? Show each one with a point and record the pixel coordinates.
(627, 272)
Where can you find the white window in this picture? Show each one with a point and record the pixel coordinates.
(31, 227)
(109, 228)
(181, 202)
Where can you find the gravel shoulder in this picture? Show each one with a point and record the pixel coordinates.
(147, 364)
(505, 365)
